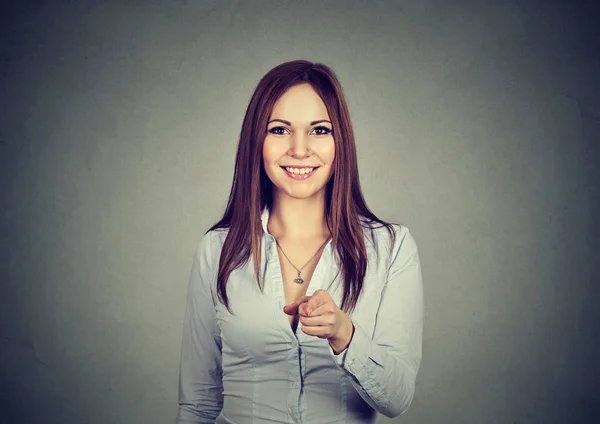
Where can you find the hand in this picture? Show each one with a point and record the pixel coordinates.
(321, 317)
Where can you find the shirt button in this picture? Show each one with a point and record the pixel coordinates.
(294, 343)
(296, 385)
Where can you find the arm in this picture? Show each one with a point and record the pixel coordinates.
(384, 368)
(200, 381)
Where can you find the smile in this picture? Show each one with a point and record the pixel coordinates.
(299, 176)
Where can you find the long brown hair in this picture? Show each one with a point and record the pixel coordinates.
(251, 191)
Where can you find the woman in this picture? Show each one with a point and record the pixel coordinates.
(285, 322)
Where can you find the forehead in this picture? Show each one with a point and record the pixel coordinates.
(300, 103)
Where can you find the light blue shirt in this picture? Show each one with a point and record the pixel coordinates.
(251, 368)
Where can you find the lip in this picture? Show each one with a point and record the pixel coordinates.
(300, 176)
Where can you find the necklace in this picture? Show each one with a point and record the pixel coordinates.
(299, 279)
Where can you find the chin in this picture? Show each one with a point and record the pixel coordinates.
(301, 192)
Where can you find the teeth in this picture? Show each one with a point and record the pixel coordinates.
(299, 171)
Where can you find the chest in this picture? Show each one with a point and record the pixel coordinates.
(289, 273)
(259, 328)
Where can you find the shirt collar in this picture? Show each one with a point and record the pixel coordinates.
(265, 219)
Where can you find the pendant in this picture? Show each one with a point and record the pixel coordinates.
(298, 279)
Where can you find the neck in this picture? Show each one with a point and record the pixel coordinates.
(298, 218)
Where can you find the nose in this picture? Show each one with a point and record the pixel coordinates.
(299, 147)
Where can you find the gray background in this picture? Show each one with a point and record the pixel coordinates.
(477, 126)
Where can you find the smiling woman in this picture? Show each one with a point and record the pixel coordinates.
(287, 146)
(293, 248)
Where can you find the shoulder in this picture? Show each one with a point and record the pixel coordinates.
(218, 237)
(209, 247)
(394, 244)
(378, 233)
(205, 264)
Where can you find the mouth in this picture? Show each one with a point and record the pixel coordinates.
(299, 175)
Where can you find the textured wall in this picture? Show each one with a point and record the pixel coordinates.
(477, 126)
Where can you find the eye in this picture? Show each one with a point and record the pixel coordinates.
(277, 130)
(322, 130)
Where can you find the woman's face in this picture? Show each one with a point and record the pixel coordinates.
(299, 137)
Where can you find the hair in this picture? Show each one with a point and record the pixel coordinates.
(251, 190)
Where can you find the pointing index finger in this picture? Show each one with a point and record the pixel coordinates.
(292, 308)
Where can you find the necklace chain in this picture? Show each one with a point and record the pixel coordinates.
(298, 279)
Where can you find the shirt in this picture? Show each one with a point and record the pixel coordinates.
(250, 367)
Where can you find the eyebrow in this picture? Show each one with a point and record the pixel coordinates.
(289, 123)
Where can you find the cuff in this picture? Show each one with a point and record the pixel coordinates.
(354, 358)
(339, 359)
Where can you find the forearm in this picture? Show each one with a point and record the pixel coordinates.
(382, 376)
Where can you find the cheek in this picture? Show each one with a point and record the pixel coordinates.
(270, 157)
(271, 152)
(266, 151)
(327, 151)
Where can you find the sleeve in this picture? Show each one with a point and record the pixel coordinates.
(200, 373)
(383, 368)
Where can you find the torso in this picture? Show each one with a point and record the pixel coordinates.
(299, 253)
